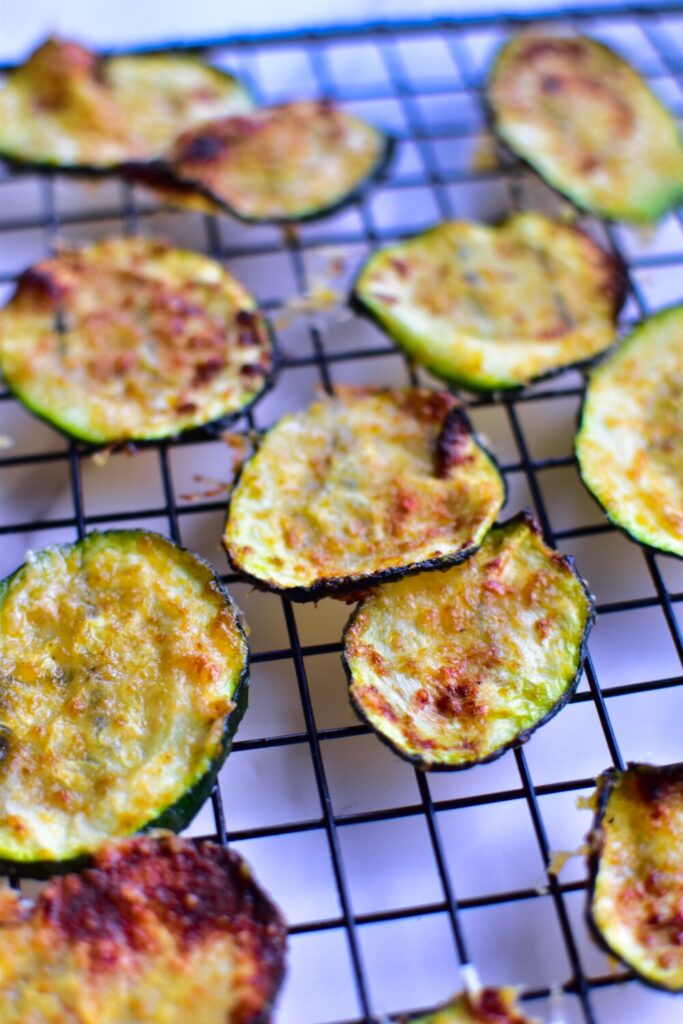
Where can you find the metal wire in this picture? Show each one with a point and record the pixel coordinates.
(418, 132)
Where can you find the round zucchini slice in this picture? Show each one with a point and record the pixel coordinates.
(495, 307)
(589, 124)
(284, 163)
(123, 677)
(362, 487)
(630, 439)
(130, 339)
(453, 668)
(635, 905)
(66, 107)
(489, 1006)
(157, 930)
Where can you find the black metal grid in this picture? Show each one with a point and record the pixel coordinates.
(424, 137)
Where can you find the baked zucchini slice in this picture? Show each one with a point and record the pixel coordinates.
(123, 677)
(158, 931)
(362, 487)
(66, 107)
(495, 307)
(635, 905)
(130, 339)
(489, 1006)
(284, 163)
(630, 439)
(453, 668)
(588, 123)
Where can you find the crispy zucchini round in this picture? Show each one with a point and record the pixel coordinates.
(495, 307)
(635, 904)
(123, 677)
(630, 439)
(284, 163)
(159, 931)
(130, 339)
(68, 108)
(453, 668)
(490, 1006)
(363, 487)
(588, 123)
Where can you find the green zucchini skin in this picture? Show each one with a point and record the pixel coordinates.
(619, 519)
(606, 784)
(648, 208)
(526, 518)
(180, 813)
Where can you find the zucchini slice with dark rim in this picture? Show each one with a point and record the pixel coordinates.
(123, 677)
(157, 930)
(489, 1006)
(453, 668)
(66, 107)
(635, 904)
(587, 122)
(630, 439)
(291, 162)
(365, 486)
(130, 339)
(495, 307)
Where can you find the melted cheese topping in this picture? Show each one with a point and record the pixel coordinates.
(490, 1006)
(495, 307)
(281, 163)
(64, 106)
(637, 903)
(169, 935)
(132, 339)
(452, 667)
(589, 124)
(358, 485)
(120, 657)
(630, 444)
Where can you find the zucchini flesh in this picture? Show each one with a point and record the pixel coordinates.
(159, 931)
(495, 307)
(365, 486)
(453, 668)
(490, 1006)
(66, 107)
(130, 339)
(636, 893)
(123, 674)
(588, 123)
(282, 163)
(630, 440)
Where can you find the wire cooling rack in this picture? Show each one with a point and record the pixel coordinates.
(390, 878)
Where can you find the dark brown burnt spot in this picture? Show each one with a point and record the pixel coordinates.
(253, 370)
(491, 1009)
(206, 372)
(656, 786)
(453, 443)
(200, 149)
(42, 280)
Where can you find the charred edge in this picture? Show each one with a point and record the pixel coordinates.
(560, 47)
(42, 281)
(452, 443)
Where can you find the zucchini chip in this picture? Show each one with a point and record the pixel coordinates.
(123, 677)
(589, 124)
(362, 487)
(635, 903)
(158, 931)
(489, 1006)
(130, 339)
(285, 163)
(495, 307)
(66, 107)
(630, 439)
(453, 668)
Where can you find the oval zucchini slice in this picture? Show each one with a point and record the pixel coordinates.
(123, 677)
(495, 307)
(635, 905)
(284, 163)
(130, 339)
(158, 931)
(630, 439)
(362, 487)
(587, 122)
(66, 107)
(490, 1006)
(453, 668)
